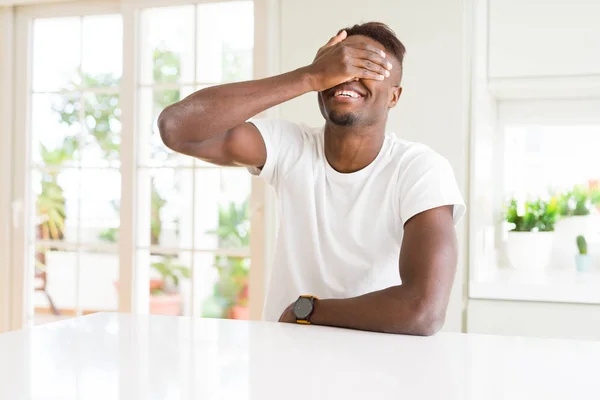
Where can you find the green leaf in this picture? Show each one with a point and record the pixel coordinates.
(537, 215)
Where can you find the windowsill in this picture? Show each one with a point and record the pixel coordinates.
(556, 286)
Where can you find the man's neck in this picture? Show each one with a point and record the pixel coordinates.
(349, 149)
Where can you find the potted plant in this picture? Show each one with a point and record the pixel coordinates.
(165, 289)
(577, 216)
(50, 212)
(594, 186)
(531, 235)
(575, 202)
(240, 310)
(165, 296)
(230, 292)
(582, 259)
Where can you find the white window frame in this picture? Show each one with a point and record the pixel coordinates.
(6, 120)
(22, 273)
(556, 99)
(133, 291)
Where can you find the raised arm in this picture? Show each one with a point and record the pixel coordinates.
(210, 124)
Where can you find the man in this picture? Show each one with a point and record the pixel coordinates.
(367, 235)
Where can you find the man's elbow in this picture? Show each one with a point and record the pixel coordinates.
(429, 322)
(425, 320)
(167, 127)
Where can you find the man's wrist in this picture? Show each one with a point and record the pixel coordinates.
(306, 78)
(316, 317)
(303, 308)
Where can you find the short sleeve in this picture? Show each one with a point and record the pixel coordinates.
(284, 142)
(428, 182)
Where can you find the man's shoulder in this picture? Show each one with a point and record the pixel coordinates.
(409, 154)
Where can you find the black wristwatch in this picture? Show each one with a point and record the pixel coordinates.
(303, 308)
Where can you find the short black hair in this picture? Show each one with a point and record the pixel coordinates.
(381, 33)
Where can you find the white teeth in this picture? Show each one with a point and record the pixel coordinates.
(347, 93)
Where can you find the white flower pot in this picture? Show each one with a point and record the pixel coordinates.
(530, 250)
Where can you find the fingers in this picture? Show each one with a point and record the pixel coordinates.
(372, 67)
(363, 73)
(332, 42)
(370, 64)
(368, 47)
(373, 56)
(336, 39)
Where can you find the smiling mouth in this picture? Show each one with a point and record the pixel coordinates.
(347, 93)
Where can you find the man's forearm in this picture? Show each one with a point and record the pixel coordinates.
(214, 110)
(392, 310)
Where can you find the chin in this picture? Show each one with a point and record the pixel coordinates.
(342, 119)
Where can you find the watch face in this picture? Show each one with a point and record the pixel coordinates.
(303, 308)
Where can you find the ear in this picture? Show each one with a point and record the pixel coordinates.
(395, 93)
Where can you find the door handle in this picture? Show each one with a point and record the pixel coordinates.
(17, 209)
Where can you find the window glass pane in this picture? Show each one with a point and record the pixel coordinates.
(167, 45)
(557, 164)
(55, 127)
(54, 283)
(102, 141)
(208, 193)
(222, 285)
(102, 63)
(56, 205)
(99, 281)
(223, 215)
(169, 281)
(56, 53)
(541, 159)
(153, 152)
(165, 207)
(225, 53)
(100, 202)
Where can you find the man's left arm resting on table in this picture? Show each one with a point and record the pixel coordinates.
(427, 264)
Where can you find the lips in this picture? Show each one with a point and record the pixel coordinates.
(347, 92)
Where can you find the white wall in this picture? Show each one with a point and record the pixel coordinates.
(433, 106)
(535, 38)
(550, 320)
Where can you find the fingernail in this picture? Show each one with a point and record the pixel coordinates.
(381, 77)
(382, 54)
(387, 73)
(389, 65)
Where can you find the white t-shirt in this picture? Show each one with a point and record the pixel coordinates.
(340, 234)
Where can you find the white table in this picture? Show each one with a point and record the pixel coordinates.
(112, 356)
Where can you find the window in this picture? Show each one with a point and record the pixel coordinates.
(189, 233)
(194, 217)
(74, 163)
(544, 158)
(545, 197)
(551, 163)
